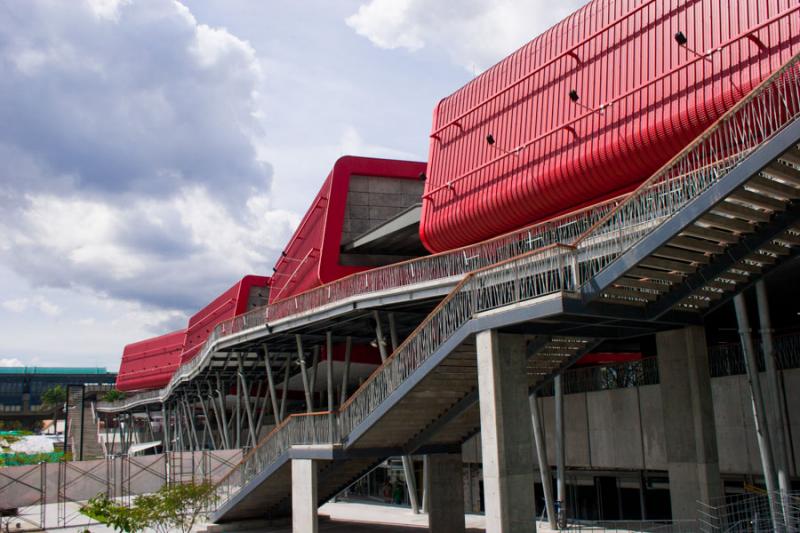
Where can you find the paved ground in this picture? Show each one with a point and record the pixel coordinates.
(376, 513)
(340, 517)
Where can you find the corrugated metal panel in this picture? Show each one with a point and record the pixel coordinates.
(312, 256)
(230, 303)
(641, 97)
(150, 363)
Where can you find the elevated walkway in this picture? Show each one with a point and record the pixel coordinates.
(714, 220)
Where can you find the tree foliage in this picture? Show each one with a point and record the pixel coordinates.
(172, 508)
(55, 396)
(113, 395)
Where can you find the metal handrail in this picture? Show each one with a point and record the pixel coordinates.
(451, 264)
(600, 232)
(533, 274)
(560, 267)
(768, 108)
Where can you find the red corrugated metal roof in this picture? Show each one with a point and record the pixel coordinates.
(312, 256)
(592, 107)
(149, 364)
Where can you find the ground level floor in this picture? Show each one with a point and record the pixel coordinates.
(592, 495)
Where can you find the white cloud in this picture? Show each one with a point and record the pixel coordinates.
(35, 303)
(106, 9)
(171, 253)
(6, 362)
(128, 162)
(474, 33)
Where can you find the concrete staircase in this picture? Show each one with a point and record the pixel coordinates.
(87, 424)
(705, 226)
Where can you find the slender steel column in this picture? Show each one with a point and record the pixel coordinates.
(247, 407)
(562, 484)
(782, 461)
(541, 459)
(149, 424)
(393, 332)
(265, 403)
(165, 428)
(408, 463)
(759, 413)
(302, 361)
(273, 396)
(223, 434)
(180, 441)
(206, 417)
(221, 399)
(426, 485)
(238, 414)
(411, 482)
(314, 370)
(287, 368)
(329, 369)
(379, 335)
(346, 374)
(190, 420)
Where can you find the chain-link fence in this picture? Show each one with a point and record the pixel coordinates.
(751, 513)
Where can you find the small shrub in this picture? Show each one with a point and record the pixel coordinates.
(172, 508)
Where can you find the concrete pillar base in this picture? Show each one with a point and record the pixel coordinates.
(304, 496)
(445, 493)
(689, 428)
(506, 433)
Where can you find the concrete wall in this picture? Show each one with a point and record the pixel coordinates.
(624, 428)
(373, 200)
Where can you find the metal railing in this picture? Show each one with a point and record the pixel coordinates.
(728, 360)
(607, 377)
(754, 120)
(532, 274)
(529, 276)
(453, 265)
(309, 429)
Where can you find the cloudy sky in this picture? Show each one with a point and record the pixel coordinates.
(153, 151)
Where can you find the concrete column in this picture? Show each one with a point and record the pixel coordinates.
(688, 411)
(445, 493)
(506, 433)
(304, 496)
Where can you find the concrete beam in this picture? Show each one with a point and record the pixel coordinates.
(506, 433)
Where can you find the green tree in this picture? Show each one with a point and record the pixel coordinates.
(115, 515)
(172, 508)
(113, 395)
(54, 398)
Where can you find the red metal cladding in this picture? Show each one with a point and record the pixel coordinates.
(592, 107)
(601, 358)
(312, 256)
(149, 364)
(230, 303)
(359, 353)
